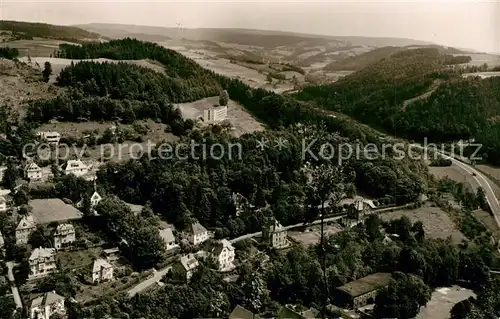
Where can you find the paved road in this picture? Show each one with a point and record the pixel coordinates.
(15, 291)
(158, 275)
(483, 182)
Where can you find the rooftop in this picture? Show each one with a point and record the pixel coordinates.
(46, 211)
(241, 313)
(366, 284)
(136, 209)
(100, 263)
(46, 299)
(197, 228)
(189, 262)
(167, 235)
(42, 253)
(65, 228)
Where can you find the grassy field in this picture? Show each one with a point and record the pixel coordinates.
(78, 259)
(38, 47)
(311, 236)
(442, 300)
(488, 221)
(437, 223)
(455, 173)
(239, 118)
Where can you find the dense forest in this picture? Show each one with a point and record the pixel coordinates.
(455, 109)
(44, 30)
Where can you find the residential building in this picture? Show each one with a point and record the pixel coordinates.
(188, 265)
(47, 305)
(64, 236)
(101, 271)
(297, 312)
(75, 167)
(42, 262)
(95, 199)
(168, 237)
(223, 253)
(275, 235)
(215, 114)
(2, 172)
(197, 233)
(33, 172)
(3, 204)
(361, 292)
(240, 312)
(24, 229)
(112, 254)
(50, 137)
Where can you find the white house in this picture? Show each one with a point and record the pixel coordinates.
(24, 229)
(2, 243)
(3, 204)
(2, 172)
(95, 199)
(46, 305)
(223, 253)
(275, 235)
(197, 233)
(64, 235)
(75, 167)
(50, 137)
(101, 271)
(42, 262)
(33, 172)
(189, 264)
(168, 237)
(214, 114)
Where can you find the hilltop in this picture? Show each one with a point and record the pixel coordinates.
(29, 30)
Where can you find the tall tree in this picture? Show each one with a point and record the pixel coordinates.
(47, 71)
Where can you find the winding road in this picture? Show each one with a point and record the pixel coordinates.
(13, 287)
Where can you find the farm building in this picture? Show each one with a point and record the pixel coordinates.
(361, 292)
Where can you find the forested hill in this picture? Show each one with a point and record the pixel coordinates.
(29, 30)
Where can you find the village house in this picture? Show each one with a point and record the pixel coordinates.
(24, 229)
(50, 137)
(240, 312)
(64, 236)
(188, 265)
(112, 254)
(361, 292)
(101, 271)
(75, 167)
(197, 233)
(168, 237)
(297, 312)
(95, 199)
(42, 262)
(2, 172)
(46, 305)
(2, 242)
(223, 253)
(275, 235)
(3, 204)
(356, 212)
(33, 172)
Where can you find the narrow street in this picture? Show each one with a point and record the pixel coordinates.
(15, 291)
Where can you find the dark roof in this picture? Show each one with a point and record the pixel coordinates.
(286, 312)
(241, 313)
(366, 284)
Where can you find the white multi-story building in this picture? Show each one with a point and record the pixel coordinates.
(101, 271)
(214, 114)
(42, 262)
(75, 167)
(223, 253)
(3, 204)
(2, 243)
(95, 199)
(47, 305)
(24, 229)
(198, 234)
(64, 236)
(189, 264)
(33, 172)
(50, 137)
(275, 235)
(168, 237)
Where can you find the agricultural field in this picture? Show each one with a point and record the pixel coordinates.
(311, 235)
(455, 173)
(241, 121)
(437, 223)
(38, 47)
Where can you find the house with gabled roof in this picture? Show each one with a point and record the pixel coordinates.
(100, 270)
(274, 234)
(197, 233)
(75, 167)
(42, 262)
(223, 254)
(188, 264)
(64, 236)
(46, 305)
(33, 172)
(240, 312)
(3, 204)
(168, 237)
(24, 229)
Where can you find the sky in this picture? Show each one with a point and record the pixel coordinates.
(460, 23)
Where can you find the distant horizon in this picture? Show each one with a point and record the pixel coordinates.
(472, 25)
